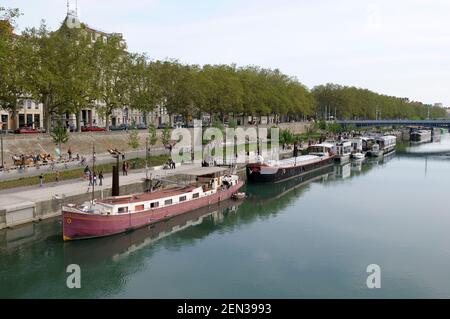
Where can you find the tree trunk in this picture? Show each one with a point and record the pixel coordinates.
(14, 113)
(108, 114)
(46, 112)
(78, 120)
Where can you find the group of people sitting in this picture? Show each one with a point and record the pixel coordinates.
(33, 159)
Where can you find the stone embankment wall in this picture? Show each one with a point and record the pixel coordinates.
(81, 143)
(23, 213)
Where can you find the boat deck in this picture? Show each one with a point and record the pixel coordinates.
(147, 196)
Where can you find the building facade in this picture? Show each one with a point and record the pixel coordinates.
(29, 115)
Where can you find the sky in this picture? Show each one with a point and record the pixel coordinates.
(398, 48)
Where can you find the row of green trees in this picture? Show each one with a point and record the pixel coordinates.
(354, 103)
(68, 71)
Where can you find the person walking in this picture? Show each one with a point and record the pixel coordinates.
(94, 179)
(100, 178)
(57, 175)
(89, 173)
(124, 168)
(41, 180)
(69, 152)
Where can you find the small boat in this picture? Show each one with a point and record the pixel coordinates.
(238, 196)
(358, 156)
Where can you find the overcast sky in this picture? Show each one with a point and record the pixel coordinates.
(398, 47)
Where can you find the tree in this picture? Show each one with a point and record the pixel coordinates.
(166, 136)
(45, 75)
(222, 90)
(115, 65)
(133, 140)
(83, 71)
(152, 135)
(59, 135)
(14, 53)
(144, 88)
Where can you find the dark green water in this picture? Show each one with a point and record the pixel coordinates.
(309, 237)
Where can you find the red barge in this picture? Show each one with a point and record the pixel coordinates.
(119, 214)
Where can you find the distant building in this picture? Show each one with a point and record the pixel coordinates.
(29, 115)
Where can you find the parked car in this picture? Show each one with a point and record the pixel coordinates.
(121, 127)
(90, 128)
(27, 130)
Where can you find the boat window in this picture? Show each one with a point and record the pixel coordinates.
(154, 205)
(168, 202)
(196, 195)
(122, 210)
(138, 208)
(182, 198)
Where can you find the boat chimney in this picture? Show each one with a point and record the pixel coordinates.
(115, 181)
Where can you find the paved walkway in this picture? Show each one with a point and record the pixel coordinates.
(100, 159)
(75, 187)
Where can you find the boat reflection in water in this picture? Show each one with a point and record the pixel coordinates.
(343, 171)
(121, 245)
(271, 192)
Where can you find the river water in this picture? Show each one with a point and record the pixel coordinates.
(310, 237)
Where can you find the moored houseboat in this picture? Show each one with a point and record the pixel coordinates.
(119, 214)
(420, 136)
(383, 145)
(343, 151)
(320, 155)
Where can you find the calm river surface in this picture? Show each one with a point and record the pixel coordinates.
(311, 237)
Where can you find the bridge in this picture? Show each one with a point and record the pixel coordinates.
(426, 123)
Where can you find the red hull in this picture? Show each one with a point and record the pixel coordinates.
(81, 226)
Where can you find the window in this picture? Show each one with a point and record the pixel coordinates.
(168, 202)
(21, 120)
(182, 198)
(154, 205)
(29, 120)
(28, 104)
(138, 208)
(122, 210)
(196, 195)
(4, 122)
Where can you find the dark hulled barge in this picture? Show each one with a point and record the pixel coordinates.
(320, 155)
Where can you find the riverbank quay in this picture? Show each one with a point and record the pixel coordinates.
(33, 203)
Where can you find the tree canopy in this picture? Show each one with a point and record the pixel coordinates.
(70, 69)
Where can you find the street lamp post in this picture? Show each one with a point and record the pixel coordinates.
(2, 163)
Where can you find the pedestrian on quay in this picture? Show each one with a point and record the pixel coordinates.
(41, 180)
(100, 178)
(89, 173)
(57, 175)
(69, 151)
(94, 179)
(125, 168)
